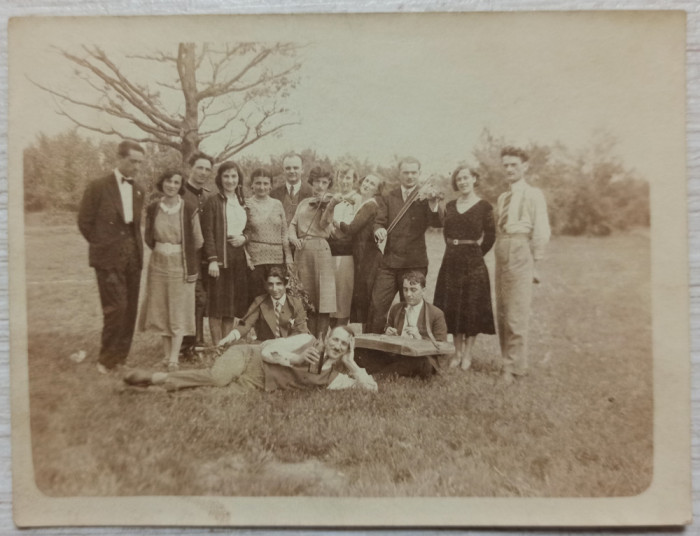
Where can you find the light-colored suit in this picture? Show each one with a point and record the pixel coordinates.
(519, 242)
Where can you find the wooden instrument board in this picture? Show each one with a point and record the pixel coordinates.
(403, 345)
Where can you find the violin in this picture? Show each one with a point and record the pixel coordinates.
(321, 201)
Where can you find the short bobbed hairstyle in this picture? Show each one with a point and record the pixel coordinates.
(344, 168)
(380, 184)
(414, 277)
(230, 164)
(167, 175)
(319, 172)
(517, 152)
(261, 172)
(472, 171)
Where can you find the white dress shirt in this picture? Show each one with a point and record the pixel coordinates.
(236, 217)
(126, 191)
(281, 301)
(294, 188)
(405, 192)
(411, 316)
(527, 214)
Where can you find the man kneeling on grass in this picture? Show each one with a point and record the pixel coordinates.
(297, 362)
(414, 318)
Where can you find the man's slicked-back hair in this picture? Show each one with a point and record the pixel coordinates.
(408, 160)
(415, 277)
(276, 270)
(126, 146)
(200, 156)
(292, 154)
(510, 150)
(347, 329)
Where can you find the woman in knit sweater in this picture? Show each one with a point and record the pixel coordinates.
(266, 233)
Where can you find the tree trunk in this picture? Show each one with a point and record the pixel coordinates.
(186, 67)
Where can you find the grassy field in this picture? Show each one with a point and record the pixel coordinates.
(579, 425)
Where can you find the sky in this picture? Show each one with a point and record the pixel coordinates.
(422, 86)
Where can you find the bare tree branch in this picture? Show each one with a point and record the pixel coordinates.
(234, 77)
(231, 150)
(168, 86)
(134, 94)
(158, 57)
(216, 90)
(223, 126)
(113, 132)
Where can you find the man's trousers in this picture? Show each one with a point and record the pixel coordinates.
(241, 367)
(119, 296)
(514, 273)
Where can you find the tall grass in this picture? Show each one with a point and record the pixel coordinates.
(580, 424)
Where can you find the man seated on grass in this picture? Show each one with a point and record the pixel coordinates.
(414, 318)
(283, 363)
(273, 315)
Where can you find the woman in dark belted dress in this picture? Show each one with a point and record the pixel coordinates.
(463, 290)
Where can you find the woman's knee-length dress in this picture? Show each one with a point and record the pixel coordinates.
(312, 224)
(463, 290)
(168, 306)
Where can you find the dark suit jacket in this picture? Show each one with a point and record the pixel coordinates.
(405, 246)
(438, 326)
(290, 205)
(101, 221)
(261, 316)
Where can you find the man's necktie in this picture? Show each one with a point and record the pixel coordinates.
(503, 218)
(127, 180)
(290, 191)
(409, 316)
(278, 311)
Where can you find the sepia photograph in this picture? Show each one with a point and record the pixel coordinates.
(356, 269)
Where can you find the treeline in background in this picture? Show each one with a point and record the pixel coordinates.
(589, 191)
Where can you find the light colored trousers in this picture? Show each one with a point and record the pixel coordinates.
(241, 367)
(514, 273)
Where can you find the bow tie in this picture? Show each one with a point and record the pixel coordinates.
(128, 180)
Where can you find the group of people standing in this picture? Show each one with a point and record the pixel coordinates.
(213, 252)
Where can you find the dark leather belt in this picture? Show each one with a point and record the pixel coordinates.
(456, 242)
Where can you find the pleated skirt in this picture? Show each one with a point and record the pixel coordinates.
(317, 273)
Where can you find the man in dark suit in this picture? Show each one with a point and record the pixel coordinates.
(273, 315)
(405, 244)
(110, 219)
(294, 189)
(196, 193)
(413, 318)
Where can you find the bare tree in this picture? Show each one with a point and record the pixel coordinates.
(234, 92)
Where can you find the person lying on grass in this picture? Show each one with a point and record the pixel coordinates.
(296, 362)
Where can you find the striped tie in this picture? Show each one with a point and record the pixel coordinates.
(503, 218)
(278, 311)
